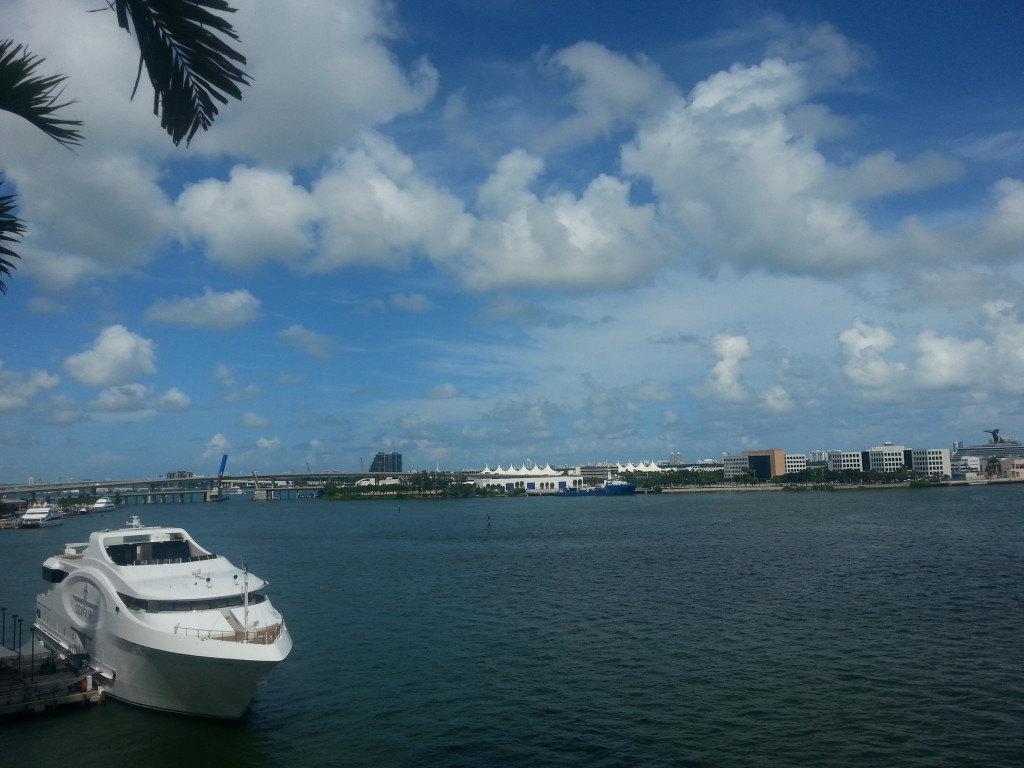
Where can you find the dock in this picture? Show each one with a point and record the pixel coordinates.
(36, 682)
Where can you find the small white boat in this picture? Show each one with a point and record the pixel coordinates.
(41, 515)
(104, 504)
(168, 624)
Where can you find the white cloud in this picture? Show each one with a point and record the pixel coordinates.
(139, 400)
(116, 357)
(724, 381)
(125, 397)
(377, 209)
(313, 344)
(18, 390)
(777, 400)
(338, 78)
(173, 400)
(412, 302)
(612, 90)
(864, 347)
(251, 420)
(231, 217)
(228, 309)
(944, 362)
(561, 241)
(216, 447)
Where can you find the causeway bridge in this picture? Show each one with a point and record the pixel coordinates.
(190, 489)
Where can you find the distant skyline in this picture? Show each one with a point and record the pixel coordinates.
(488, 232)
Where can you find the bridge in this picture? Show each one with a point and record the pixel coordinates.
(189, 489)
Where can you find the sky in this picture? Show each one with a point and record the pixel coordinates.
(491, 231)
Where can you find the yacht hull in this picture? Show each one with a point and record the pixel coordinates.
(180, 683)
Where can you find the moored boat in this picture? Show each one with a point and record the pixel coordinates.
(41, 515)
(103, 504)
(610, 487)
(167, 624)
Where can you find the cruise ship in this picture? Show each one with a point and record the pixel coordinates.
(998, 448)
(166, 624)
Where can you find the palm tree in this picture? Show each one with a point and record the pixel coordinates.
(189, 64)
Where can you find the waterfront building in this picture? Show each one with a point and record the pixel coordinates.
(643, 466)
(795, 462)
(934, 462)
(386, 462)
(886, 458)
(528, 477)
(839, 461)
(735, 466)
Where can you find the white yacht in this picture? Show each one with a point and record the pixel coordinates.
(167, 624)
(41, 515)
(103, 504)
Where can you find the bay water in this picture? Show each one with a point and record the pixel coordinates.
(851, 628)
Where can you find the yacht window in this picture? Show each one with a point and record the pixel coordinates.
(54, 575)
(171, 606)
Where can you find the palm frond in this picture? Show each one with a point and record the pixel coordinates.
(189, 63)
(33, 97)
(11, 230)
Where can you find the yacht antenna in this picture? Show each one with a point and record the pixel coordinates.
(245, 601)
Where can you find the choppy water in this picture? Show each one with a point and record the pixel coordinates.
(875, 628)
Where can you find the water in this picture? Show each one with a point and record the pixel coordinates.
(860, 628)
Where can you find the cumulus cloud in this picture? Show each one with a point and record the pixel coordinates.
(412, 302)
(140, 400)
(251, 420)
(230, 217)
(736, 164)
(562, 240)
(228, 309)
(216, 447)
(724, 381)
(339, 53)
(18, 390)
(611, 90)
(116, 357)
(313, 344)
(377, 209)
(945, 362)
(863, 348)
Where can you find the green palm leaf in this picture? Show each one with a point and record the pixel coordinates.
(11, 230)
(190, 65)
(35, 98)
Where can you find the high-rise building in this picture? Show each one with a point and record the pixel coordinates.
(387, 462)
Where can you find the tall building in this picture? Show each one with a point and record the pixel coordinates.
(386, 462)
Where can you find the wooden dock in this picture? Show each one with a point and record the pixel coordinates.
(31, 684)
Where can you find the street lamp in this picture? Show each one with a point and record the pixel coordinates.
(32, 632)
(18, 642)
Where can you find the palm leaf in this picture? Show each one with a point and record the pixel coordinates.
(11, 230)
(189, 64)
(33, 97)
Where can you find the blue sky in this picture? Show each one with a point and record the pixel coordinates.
(485, 232)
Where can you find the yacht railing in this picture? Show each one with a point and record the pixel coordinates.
(261, 636)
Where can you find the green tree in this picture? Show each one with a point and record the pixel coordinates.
(183, 51)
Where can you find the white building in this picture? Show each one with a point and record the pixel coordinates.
(735, 466)
(887, 458)
(529, 477)
(795, 462)
(935, 462)
(839, 461)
